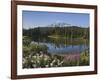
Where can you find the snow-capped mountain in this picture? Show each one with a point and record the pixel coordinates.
(59, 25)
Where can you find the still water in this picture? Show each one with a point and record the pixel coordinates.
(63, 46)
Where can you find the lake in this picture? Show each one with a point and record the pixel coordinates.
(61, 46)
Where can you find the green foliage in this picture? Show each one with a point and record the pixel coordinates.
(37, 48)
(68, 32)
(36, 55)
(26, 51)
(70, 63)
(26, 40)
(84, 58)
(31, 55)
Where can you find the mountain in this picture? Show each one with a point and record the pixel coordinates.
(59, 24)
(62, 29)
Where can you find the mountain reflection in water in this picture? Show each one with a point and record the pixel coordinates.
(63, 46)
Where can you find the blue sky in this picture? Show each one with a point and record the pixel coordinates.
(32, 19)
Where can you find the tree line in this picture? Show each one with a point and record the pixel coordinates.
(68, 32)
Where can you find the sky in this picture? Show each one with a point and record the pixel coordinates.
(31, 19)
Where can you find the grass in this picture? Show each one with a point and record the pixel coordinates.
(57, 36)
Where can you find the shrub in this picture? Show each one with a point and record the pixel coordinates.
(26, 40)
(84, 58)
(37, 48)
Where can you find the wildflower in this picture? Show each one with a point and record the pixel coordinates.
(35, 56)
(34, 65)
(41, 52)
(32, 61)
(54, 61)
(51, 64)
(46, 65)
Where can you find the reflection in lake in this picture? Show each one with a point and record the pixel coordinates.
(62, 45)
(55, 52)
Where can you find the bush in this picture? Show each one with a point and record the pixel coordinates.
(26, 51)
(84, 58)
(26, 40)
(37, 48)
